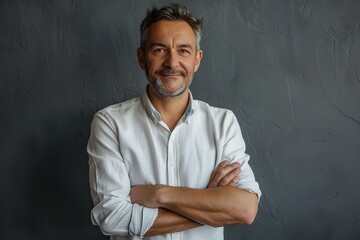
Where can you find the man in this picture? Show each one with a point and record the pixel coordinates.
(166, 166)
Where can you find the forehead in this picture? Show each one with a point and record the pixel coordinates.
(164, 31)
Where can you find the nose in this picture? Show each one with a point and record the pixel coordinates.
(171, 60)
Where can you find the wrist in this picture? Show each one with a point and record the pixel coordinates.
(164, 194)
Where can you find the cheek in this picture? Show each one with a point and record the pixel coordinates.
(189, 67)
(153, 64)
(151, 70)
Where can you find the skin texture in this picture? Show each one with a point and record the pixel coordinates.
(225, 174)
(170, 59)
(169, 221)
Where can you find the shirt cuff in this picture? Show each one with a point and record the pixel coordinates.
(142, 219)
(252, 188)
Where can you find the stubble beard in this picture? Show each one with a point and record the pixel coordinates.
(158, 85)
(161, 90)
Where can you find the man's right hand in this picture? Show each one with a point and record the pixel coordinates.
(225, 174)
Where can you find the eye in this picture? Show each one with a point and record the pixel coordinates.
(158, 51)
(184, 52)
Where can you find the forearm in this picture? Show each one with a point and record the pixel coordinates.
(218, 205)
(169, 222)
(213, 206)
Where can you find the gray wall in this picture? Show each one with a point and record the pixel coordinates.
(289, 69)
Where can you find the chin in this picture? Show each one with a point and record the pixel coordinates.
(166, 93)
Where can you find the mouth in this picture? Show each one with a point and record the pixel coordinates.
(171, 75)
(171, 72)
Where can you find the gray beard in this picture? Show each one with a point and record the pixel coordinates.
(162, 92)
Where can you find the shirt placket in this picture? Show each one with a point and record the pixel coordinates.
(172, 167)
(172, 160)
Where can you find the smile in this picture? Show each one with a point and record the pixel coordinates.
(171, 75)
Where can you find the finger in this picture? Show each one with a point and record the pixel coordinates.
(214, 173)
(221, 173)
(230, 178)
(234, 181)
(226, 170)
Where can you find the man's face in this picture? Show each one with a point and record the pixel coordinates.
(169, 57)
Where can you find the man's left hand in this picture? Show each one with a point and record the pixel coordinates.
(225, 174)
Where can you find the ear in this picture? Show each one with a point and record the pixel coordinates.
(140, 56)
(198, 58)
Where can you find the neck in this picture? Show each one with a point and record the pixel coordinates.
(171, 109)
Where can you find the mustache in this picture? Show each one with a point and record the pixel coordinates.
(176, 71)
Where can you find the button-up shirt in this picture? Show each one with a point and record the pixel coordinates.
(130, 145)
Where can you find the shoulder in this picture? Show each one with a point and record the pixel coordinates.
(205, 108)
(119, 111)
(121, 108)
(219, 119)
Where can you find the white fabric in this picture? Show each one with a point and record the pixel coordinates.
(130, 145)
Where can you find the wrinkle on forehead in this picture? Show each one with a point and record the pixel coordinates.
(171, 34)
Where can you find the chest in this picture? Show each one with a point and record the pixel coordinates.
(185, 157)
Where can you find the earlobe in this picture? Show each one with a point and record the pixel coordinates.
(140, 56)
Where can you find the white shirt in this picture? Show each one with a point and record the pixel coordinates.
(130, 145)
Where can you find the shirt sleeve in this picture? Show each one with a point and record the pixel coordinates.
(234, 151)
(110, 185)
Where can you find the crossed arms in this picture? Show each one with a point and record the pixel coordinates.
(158, 209)
(184, 208)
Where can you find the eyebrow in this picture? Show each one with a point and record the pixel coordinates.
(185, 46)
(157, 44)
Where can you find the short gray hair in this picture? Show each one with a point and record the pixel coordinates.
(173, 12)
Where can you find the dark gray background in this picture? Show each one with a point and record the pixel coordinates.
(289, 69)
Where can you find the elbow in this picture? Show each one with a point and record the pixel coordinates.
(247, 216)
(238, 216)
(247, 211)
(108, 229)
(105, 229)
(108, 226)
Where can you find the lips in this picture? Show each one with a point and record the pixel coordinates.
(171, 72)
(171, 75)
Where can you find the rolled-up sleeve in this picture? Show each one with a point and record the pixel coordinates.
(234, 151)
(110, 185)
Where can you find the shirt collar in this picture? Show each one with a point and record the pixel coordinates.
(155, 115)
(190, 108)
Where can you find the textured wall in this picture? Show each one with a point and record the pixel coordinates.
(289, 69)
